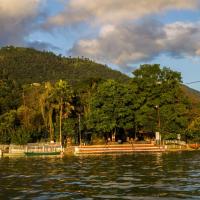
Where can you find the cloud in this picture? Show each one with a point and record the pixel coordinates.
(16, 20)
(127, 44)
(127, 34)
(114, 11)
(182, 39)
(124, 32)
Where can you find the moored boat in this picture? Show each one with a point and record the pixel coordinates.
(42, 153)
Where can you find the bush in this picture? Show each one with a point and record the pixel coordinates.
(21, 136)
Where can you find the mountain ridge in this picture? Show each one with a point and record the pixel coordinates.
(27, 65)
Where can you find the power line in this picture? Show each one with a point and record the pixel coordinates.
(192, 82)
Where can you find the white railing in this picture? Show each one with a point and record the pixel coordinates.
(178, 142)
(39, 147)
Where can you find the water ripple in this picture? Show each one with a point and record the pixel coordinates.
(135, 176)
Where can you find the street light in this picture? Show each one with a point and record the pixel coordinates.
(158, 116)
(79, 127)
(158, 136)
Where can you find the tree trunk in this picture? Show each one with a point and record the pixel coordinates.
(51, 125)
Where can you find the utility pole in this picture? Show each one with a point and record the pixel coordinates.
(25, 109)
(158, 137)
(79, 127)
(158, 116)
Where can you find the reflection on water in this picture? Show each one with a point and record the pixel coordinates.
(130, 176)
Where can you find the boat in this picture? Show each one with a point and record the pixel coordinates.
(42, 153)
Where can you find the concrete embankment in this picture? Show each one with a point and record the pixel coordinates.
(1, 153)
(126, 148)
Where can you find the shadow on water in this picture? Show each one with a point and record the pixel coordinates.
(172, 175)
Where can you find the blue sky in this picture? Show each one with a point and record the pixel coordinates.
(122, 34)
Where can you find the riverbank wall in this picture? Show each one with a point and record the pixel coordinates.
(115, 148)
(19, 150)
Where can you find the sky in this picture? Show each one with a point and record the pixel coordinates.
(120, 33)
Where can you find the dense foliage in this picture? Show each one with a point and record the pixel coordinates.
(159, 90)
(26, 65)
(46, 97)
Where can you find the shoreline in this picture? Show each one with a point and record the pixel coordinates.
(124, 148)
(109, 149)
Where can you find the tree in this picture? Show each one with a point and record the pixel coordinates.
(10, 97)
(112, 106)
(47, 107)
(8, 125)
(193, 131)
(160, 87)
(63, 97)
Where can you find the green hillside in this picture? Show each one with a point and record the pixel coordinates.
(26, 65)
(194, 97)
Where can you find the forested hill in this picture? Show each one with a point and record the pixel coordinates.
(53, 109)
(194, 97)
(26, 65)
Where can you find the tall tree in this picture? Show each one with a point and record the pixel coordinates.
(112, 106)
(63, 97)
(160, 88)
(46, 103)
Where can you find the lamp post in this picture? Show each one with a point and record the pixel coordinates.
(158, 116)
(79, 127)
(158, 136)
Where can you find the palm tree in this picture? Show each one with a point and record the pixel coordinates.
(63, 95)
(47, 107)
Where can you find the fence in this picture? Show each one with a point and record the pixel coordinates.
(39, 147)
(17, 149)
(31, 147)
(176, 142)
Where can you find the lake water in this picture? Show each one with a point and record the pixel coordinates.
(172, 175)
